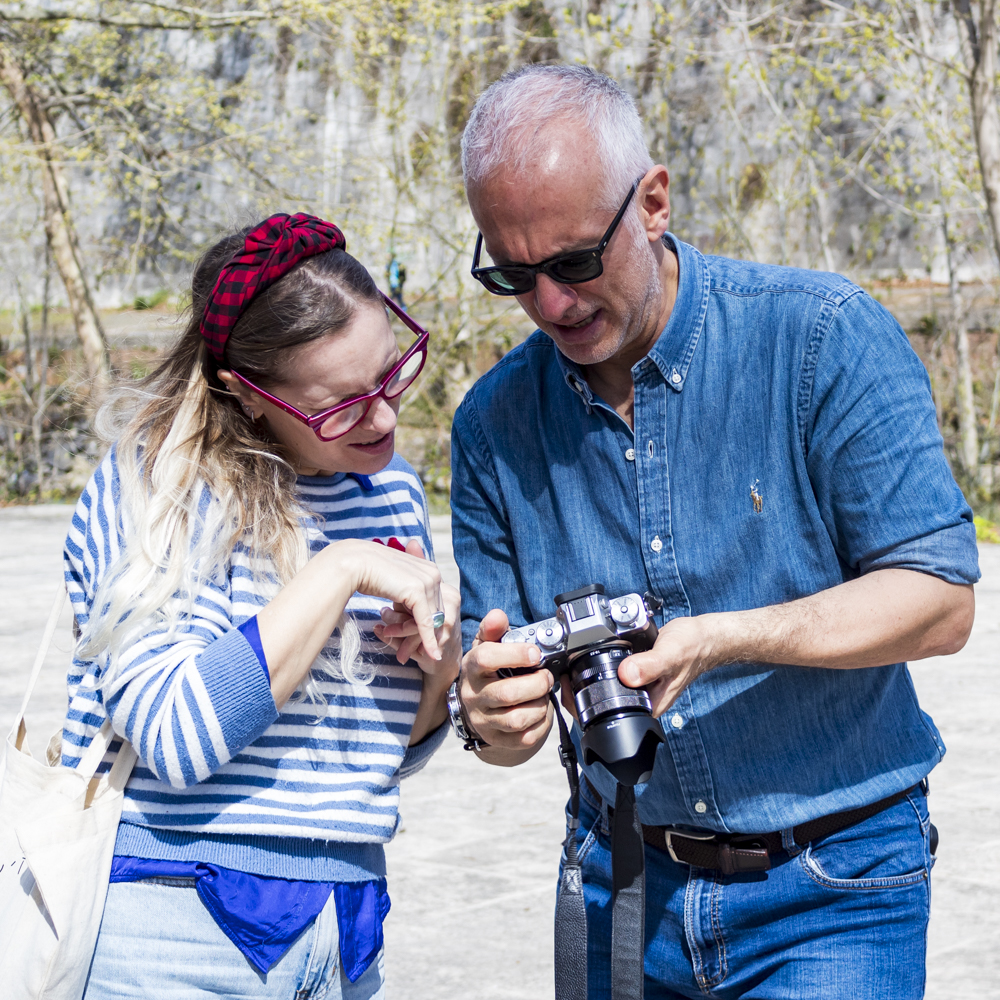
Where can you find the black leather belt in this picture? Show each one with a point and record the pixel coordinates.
(731, 853)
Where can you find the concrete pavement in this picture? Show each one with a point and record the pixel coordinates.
(472, 871)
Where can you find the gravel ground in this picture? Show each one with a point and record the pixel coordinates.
(472, 871)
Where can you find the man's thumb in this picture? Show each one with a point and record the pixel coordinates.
(493, 627)
(632, 672)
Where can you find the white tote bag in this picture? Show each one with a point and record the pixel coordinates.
(57, 837)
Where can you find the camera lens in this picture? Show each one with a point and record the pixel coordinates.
(596, 688)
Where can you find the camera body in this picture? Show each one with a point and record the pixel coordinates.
(587, 639)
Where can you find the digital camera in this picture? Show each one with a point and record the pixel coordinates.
(587, 639)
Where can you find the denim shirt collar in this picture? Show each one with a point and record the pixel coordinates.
(672, 353)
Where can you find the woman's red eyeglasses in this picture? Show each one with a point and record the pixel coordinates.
(335, 422)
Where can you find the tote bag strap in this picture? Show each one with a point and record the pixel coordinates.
(50, 628)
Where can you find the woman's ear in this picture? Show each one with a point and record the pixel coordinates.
(247, 398)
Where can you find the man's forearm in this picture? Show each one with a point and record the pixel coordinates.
(886, 616)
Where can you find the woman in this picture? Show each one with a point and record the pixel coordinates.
(227, 535)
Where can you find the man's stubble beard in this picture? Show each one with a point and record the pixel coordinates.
(635, 323)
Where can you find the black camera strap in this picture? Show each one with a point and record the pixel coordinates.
(628, 904)
(628, 897)
(571, 914)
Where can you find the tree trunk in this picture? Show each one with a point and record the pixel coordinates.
(980, 52)
(968, 448)
(60, 231)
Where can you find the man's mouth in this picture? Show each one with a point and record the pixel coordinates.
(569, 329)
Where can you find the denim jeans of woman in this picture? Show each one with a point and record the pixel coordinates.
(845, 917)
(158, 940)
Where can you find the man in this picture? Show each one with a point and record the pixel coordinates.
(757, 447)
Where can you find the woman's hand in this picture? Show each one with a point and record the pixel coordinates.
(297, 623)
(411, 582)
(399, 630)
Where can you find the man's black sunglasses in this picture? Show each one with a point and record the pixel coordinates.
(567, 268)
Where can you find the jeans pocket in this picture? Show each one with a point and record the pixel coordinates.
(885, 851)
(590, 827)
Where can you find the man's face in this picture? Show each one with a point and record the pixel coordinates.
(554, 207)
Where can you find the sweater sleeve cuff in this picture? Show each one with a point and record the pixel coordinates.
(238, 689)
(251, 633)
(417, 755)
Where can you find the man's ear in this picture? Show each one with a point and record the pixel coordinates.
(653, 200)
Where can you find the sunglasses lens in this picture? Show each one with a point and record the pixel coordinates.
(403, 379)
(571, 270)
(343, 420)
(508, 281)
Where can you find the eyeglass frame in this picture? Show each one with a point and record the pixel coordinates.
(545, 266)
(315, 421)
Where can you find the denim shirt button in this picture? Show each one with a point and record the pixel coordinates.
(700, 807)
(656, 544)
(676, 378)
(630, 454)
(676, 721)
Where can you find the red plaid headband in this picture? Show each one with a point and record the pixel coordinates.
(270, 250)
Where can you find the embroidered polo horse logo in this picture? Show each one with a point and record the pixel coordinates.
(755, 496)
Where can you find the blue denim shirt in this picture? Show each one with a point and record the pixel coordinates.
(785, 441)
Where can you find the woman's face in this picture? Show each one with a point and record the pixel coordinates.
(326, 372)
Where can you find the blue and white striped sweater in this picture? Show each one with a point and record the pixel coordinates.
(312, 792)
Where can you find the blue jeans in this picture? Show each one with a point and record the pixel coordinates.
(845, 917)
(158, 940)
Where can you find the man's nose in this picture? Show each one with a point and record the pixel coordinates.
(552, 300)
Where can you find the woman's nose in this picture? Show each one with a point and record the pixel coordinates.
(381, 417)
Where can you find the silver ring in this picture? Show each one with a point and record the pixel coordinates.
(437, 619)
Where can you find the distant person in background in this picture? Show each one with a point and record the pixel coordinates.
(757, 447)
(395, 273)
(221, 543)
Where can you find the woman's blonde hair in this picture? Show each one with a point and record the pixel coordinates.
(199, 477)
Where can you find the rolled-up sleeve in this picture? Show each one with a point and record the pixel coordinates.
(874, 454)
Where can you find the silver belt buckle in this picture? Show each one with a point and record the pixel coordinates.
(669, 833)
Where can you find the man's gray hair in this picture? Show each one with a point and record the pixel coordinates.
(507, 126)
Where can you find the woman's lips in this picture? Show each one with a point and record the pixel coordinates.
(378, 446)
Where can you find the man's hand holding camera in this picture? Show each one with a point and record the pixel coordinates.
(682, 652)
(511, 714)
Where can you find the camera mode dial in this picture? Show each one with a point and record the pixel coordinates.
(549, 634)
(624, 610)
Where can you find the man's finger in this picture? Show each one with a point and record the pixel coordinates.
(493, 656)
(566, 692)
(642, 669)
(509, 692)
(415, 548)
(493, 627)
